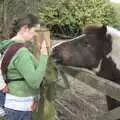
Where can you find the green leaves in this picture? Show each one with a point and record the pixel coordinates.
(77, 13)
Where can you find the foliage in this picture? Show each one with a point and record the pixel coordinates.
(46, 109)
(76, 13)
(2, 118)
(116, 7)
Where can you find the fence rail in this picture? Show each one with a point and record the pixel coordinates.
(105, 86)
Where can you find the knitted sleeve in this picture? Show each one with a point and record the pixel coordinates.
(24, 64)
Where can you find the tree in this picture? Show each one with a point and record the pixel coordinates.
(12, 8)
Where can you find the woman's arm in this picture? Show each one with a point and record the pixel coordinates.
(25, 66)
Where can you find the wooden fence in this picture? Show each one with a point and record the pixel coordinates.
(105, 86)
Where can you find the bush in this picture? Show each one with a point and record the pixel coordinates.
(68, 17)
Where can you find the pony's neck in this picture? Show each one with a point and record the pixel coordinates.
(115, 53)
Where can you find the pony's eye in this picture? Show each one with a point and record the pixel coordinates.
(86, 41)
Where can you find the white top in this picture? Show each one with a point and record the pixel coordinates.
(18, 103)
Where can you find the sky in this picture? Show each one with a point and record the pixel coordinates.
(116, 1)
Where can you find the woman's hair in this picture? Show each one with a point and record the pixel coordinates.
(17, 22)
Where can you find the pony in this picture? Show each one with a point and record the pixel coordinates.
(97, 49)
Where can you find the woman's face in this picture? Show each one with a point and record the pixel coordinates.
(30, 33)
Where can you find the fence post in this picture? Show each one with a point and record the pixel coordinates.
(43, 34)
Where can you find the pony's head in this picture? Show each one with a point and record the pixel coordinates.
(85, 50)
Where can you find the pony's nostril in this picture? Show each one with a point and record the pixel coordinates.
(54, 54)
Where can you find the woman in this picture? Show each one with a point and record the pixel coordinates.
(23, 67)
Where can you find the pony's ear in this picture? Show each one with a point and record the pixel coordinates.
(104, 28)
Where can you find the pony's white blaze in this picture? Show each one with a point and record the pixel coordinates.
(67, 41)
(115, 53)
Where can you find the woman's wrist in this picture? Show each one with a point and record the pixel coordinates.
(44, 52)
(44, 49)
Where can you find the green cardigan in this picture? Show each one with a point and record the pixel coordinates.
(25, 66)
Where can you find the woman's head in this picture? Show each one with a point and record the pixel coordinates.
(25, 26)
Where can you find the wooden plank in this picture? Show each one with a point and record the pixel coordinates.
(43, 34)
(46, 37)
(103, 85)
(111, 115)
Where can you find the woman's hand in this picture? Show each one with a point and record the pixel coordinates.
(44, 50)
(5, 89)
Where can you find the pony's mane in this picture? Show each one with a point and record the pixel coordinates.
(115, 53)
(113, 31)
